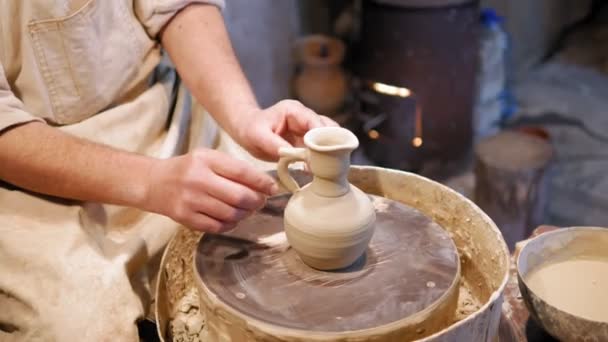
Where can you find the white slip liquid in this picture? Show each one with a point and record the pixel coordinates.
(579, 287)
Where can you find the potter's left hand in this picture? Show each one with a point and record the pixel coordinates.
(282, 125)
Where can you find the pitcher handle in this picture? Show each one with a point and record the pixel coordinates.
(287, 156)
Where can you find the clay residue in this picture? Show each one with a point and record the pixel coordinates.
(178, 266)
(467, 303)
(186, 323)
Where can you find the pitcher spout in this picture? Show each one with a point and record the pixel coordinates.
(329, 150)
(331, 139)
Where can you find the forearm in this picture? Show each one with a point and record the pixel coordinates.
(197, 42)
(46, 160)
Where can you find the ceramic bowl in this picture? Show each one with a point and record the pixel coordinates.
(562, 244)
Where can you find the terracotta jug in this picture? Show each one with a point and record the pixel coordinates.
(328, 222)
(322, 83)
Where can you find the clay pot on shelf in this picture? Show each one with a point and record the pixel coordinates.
(328, 222)
(321, 83)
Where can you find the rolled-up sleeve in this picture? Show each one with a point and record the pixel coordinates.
(155, 14)
(12, 111)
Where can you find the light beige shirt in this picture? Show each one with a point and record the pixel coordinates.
(65, 61)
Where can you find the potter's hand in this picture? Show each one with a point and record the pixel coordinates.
(207, 190)
(282, 125)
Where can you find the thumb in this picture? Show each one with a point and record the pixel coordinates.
(280, 142)
(272, 143)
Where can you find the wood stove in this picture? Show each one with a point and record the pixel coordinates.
(416, 63)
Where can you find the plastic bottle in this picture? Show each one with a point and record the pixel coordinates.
(494, 103)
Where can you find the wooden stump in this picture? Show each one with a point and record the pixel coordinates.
(511, 182)
(253, 287)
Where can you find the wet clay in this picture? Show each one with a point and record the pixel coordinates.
(577, 286)
(405, 284)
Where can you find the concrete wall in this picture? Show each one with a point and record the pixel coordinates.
(262, 33)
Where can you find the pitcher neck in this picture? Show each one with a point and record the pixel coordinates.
(330, 187)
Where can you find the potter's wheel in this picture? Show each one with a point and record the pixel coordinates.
(410, 271)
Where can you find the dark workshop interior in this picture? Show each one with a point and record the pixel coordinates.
(464, 196)
(460, 87)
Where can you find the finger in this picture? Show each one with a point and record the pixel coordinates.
(300, 118)
(272, 142)
(303, 120)
(233, 194)
(217, 209)
(243, 173)
(296, 141)
(204, 223)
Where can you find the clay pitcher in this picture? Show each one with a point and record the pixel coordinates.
(328, 222)
(322, 83)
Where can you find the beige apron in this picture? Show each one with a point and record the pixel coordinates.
(73, 271)
(85, 271)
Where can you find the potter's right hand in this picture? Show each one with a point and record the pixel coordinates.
(207, 190)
